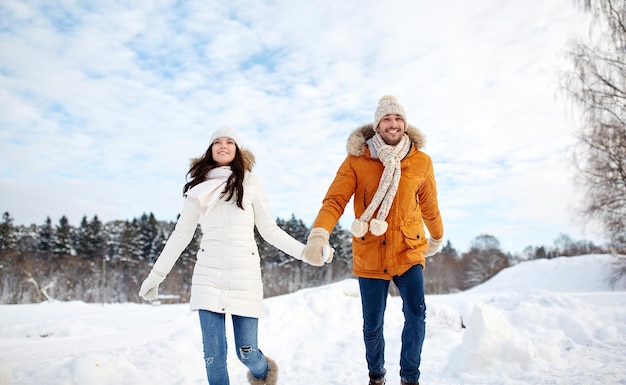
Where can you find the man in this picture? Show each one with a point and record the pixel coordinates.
(395, 196)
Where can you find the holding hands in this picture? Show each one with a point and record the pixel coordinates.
(318, 250)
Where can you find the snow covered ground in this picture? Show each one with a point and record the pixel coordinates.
(540, 322)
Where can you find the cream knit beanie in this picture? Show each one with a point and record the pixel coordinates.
(388, 104)
(226, 132)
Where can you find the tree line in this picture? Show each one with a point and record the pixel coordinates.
(106, 262)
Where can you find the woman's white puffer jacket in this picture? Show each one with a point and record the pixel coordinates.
(227, 273)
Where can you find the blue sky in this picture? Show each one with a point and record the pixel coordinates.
(103, 104)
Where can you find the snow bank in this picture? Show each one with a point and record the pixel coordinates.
(541, 322)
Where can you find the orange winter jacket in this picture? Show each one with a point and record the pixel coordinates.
(414, 206)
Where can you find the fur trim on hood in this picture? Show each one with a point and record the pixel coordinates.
(357, 141)
(247, 155)
(248, 158)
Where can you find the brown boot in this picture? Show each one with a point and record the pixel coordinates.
(377, 381)
(270, 378)
(404, 382)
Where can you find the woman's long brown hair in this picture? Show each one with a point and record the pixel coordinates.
(200, 168)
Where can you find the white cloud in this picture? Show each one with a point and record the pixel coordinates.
(104, 104)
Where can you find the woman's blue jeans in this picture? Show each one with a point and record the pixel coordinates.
(374, 294)
(213, 327)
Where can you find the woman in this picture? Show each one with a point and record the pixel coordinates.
(228, 201)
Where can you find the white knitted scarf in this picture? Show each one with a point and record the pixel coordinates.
(203, 196)
(390, 156)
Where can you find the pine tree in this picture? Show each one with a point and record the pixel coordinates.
(341, 241)
(147, 232)
(97, 246)
(45, 237)
(90, 242)
(112, 236)
(129, 245)
(8, 239)
(62, 238)
(83, 238)
(296, 228)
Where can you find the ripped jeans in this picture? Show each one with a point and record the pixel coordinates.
(213, 327)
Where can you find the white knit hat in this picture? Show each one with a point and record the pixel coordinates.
(388, 104)
(226, 132)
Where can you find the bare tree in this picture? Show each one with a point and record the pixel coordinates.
(597, 84)
(444, 271)
(484, 260)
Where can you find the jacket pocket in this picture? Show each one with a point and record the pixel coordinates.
(413, 234)
(367, 252)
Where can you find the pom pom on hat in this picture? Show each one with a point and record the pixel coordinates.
(388, 104)
(226, 132)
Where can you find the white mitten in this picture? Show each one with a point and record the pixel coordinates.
(150, 286)
(327, 253)
(318, 250)
(434, 246)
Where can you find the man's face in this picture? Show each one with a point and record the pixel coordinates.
(391, 128)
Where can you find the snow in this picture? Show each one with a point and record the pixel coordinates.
(540, 322)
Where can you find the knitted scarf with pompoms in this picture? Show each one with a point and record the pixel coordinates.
(390, 156)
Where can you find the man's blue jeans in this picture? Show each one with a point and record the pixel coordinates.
(374, 294)
(213, 327)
